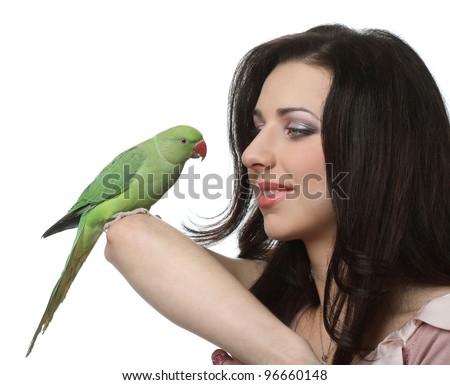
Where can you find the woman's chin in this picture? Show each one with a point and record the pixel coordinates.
(279, 234)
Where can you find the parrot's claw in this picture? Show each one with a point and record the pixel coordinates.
(121, 215)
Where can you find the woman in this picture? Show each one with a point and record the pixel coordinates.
(341, 146)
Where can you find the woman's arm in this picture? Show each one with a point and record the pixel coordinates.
(245, 271)
(185, 283)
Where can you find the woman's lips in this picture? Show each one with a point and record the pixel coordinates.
(271, 193)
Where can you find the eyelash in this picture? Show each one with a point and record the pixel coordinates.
(301, 130)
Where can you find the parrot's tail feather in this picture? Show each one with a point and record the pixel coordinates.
(84, 243)
(68, 221)
(61, 226)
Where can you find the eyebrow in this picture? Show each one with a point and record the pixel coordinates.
(286, 110)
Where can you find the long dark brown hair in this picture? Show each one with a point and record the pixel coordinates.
(386, 125)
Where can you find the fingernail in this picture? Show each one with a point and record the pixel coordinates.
(219, 358)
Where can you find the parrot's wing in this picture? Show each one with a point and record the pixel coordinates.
(113, 180)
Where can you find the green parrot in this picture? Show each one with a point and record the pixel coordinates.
(131, 183)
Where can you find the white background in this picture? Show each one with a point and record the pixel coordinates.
(81, 81)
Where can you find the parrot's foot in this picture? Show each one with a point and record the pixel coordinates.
(121, 215)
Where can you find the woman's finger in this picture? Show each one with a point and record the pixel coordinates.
(221, 357)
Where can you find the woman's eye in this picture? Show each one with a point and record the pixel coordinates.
(300, 130)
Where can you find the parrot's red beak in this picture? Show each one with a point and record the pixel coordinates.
(199, 150)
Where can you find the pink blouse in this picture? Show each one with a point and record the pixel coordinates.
(425, 339)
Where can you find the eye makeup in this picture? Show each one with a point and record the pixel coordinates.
(297, 121)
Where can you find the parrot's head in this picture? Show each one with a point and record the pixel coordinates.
(178, 144)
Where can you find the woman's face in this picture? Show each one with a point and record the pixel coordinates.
(285, 160)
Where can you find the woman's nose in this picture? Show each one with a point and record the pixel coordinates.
(259, 154)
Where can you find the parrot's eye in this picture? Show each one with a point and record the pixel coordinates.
(184, 141)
